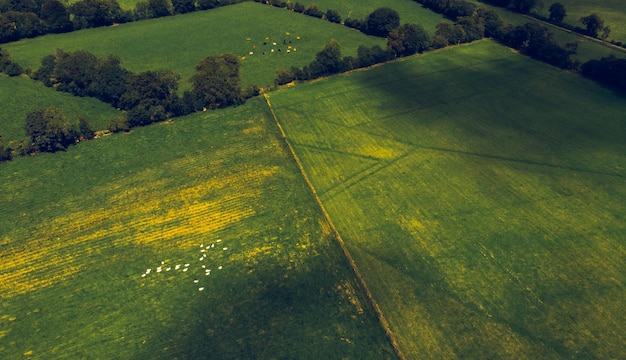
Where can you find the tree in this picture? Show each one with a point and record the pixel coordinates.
(493, 23)
(5, 153)
(183, 6)
(557, 13)
(208, 4)
(313, 10)
(109, 80)
(55, 17)
(328, 61)
(48, 130)
(523, 6)
(74, 72)
(333, 16)
(473, 26)
(381, 21)
(95, 13)
(408, 39)
(594, 24)
(160, 8)
(216, 82)
(8, 29)
(7, 66)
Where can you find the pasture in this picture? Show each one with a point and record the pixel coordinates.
(179, 42)
(482, 197)
(21, 95)
(191, 239)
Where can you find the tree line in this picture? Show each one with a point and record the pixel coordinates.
(146, 97)
(30, 18)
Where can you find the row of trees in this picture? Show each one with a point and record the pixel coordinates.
(593, 23)
(29, 18)
(147, 97)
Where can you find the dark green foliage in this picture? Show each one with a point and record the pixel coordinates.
(523, 6)
(327, 62)
(381, 21)
(74, 72)
(492, 22)
(183, 6)
(298, 8)
(44, 73)
(593, 23)
(49, 131)
(55, 17)
(109, 80)
(610, 71)
(448, 33)
(457, 8)
(149, 97)
(284, 77)
(217, 82)
(333, 16)
(208, 4)
(7, 66)
(370, 56)
(473, 27)
(8, 29)
(557, 13)
(408, 39)
(5, 153)
(160, 8)
(354, 23)
(537, 42)
(313, 10)
(25, 24)
(501, 3)
(95, 13)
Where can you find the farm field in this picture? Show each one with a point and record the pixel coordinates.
(482, 197)
(179, 42)
(34, 95)
(192, 239)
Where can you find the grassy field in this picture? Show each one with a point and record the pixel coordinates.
(192, 239)
(482, 196)
(179, 42)
(21, 95)
(612, 11)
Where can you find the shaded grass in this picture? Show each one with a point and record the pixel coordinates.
(179, 42)
(481, 195)
(79, 229)
(21, 95)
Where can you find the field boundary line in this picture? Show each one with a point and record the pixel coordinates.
(355, 270)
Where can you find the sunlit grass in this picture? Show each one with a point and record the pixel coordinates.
(481, 195)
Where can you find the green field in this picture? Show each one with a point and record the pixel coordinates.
(79, 229)
(21, 95)
(482, 196)
(179, 42)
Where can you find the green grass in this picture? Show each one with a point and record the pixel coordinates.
(78, 230)
(482, 196)
(21, 95)
(179, 42)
